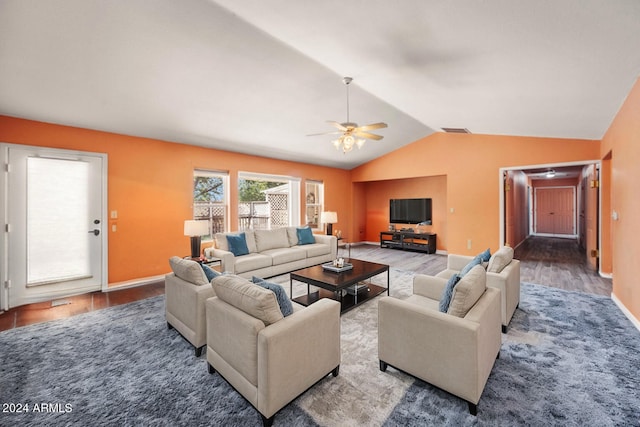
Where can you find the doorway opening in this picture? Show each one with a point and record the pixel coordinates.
(560, 200)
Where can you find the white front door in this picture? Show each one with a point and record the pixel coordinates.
(55, 217)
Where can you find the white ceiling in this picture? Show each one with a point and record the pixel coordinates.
(257, 76)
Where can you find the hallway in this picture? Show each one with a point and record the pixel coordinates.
(559, 263)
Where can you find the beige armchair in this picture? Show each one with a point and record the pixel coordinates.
(454, 351)
(269, 359)
(186, 289)
(503, 273)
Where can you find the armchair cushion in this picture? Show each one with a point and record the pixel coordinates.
(468, 291)
(500, 259)
(281, 295)
(256, 301)
(188, 270)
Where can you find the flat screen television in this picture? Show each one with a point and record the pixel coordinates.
(409, 211)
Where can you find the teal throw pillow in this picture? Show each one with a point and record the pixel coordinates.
(305, 236)
(237, 244)
(447, 293)
(475, 261)
(485, 256)
(281, 296)
(209, 272)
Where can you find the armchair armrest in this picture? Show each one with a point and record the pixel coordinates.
(296, 352)
(457, 262)
(428, 286)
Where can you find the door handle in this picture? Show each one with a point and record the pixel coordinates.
(95, 232)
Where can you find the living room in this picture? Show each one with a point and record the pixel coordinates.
(150, 179)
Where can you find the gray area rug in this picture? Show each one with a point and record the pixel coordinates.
(568, 359)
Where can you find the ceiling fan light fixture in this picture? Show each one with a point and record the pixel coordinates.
(551, 174)
(360, 142)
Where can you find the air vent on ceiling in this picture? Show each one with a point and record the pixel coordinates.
(456, 130)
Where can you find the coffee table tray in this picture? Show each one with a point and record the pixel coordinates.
(329, 266)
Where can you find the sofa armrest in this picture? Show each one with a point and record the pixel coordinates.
(457, 262)
(428, 286)
(227, 260)
(296, 352)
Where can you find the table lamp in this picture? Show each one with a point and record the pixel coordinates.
(195, 229)
(329, 218)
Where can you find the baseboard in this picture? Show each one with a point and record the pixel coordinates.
(605, 275)
(625, 311)
(133, 283)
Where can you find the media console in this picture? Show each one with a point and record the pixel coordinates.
(408, 240)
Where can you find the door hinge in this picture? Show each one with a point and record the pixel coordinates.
(595, 253)
(7, 228)
(595, 183)
(7, 168)
(7, 284)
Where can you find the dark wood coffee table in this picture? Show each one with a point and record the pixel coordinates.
(334, 285)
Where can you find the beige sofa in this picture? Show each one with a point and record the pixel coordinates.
(454, 351)
(269, 359)
(273, 252)
(503, 273)
(186, 289)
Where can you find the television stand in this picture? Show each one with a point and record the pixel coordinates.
(408, 241)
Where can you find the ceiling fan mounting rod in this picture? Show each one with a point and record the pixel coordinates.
(346, 81)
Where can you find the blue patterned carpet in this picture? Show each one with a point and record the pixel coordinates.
(568, 359)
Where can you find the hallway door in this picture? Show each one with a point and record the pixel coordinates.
(55, 238)
(555, 211)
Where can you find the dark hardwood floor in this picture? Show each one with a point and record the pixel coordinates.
(545, 261)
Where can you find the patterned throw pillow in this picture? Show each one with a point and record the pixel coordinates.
(209, 272)
(447, 292)
(281, 296)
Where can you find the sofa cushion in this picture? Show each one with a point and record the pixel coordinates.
(468, 291)
(250, 237)
(292, 234)
(281, 295)
(305, 236)
(252, 262)
(237, 244)
(285, 255)
(254, 300)
(220, 240)
(271, 239)
(447, 292)
(500, 259)
(317, 249)
(188, 270)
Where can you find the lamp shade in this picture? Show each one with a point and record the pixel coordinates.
(196, 228)
(329, 217)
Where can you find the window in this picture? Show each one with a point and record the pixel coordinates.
(267, 201)
(314, 191)
(210, 200)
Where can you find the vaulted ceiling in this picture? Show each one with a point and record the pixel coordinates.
(257, 76)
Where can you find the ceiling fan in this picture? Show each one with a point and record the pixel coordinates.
(350, 133)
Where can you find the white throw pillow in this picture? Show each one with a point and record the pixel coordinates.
(468, 291)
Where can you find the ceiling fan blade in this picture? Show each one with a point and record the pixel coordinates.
(326, 133)
(338, 125)
(367, 135)
(371, 126)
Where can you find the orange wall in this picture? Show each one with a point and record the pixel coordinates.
(376, 206)
(151, 186)
(471, 164)
(622, 144)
